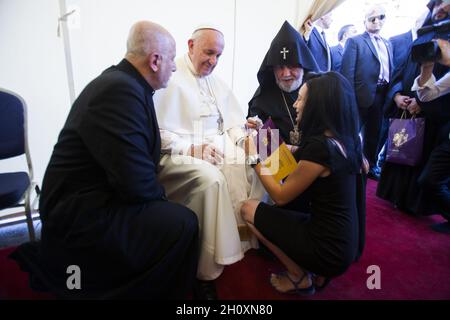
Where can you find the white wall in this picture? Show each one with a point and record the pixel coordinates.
(32, 56)
(32, 64)
(100, 40)
(257, 23)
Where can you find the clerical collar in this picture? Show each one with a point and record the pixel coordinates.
(191, 66)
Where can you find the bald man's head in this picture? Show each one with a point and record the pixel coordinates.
(151, 50)
(146, 36)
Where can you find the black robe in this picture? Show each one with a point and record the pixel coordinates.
(399, 183)
(102, 207)
(268, 100)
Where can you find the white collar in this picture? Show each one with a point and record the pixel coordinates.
(190, 66)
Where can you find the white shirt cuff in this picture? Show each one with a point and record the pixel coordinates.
(429, 84)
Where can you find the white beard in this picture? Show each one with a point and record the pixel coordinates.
(289, 88)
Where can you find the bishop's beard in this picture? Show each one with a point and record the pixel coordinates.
(289, 88)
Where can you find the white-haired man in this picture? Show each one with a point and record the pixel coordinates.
(203, 168)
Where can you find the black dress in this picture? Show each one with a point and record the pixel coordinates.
(324, 241)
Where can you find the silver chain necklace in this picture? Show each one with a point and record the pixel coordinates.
(294, 135)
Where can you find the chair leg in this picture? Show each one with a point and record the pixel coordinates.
(31, 231)
(29, 216)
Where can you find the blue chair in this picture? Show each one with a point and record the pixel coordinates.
(16, 188)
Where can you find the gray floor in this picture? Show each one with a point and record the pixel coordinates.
(13, 235)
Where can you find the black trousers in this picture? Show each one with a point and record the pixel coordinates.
(435, 178)
(371, 126)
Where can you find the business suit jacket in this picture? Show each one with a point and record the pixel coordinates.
(319, 49)
(336, 57)
(361, 66)
(401, 47)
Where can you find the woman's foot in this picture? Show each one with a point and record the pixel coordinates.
(320, 282)
(285, 282)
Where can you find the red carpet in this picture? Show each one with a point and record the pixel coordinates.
(14, 282)
(414, 263)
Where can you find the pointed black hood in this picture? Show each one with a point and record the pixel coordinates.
(287, 48)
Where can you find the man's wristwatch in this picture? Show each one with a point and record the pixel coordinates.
(253, 160)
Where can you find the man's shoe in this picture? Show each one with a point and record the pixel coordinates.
(205, 290)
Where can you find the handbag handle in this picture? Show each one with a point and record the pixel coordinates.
(403, 116)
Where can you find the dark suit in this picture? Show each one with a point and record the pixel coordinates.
(102, 207)
(319, 49)
(416, 198)
(401, 46)
(361, 66)
(336, 57)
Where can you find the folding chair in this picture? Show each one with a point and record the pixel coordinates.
(16, 188)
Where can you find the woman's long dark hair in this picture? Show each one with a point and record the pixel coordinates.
(331, 105)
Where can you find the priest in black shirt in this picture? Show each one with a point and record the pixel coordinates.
(280, 76)
(103, 211)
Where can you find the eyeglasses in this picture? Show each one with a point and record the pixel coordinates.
(381, 17)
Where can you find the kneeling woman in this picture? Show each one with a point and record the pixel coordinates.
(319, 240)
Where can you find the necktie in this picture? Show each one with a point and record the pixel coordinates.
(383, 57)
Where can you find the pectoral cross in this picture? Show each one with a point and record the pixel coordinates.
(284, 51)
(220, 125)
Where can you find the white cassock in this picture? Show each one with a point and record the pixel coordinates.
(197, 110)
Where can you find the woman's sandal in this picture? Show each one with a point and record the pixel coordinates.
(300, 291)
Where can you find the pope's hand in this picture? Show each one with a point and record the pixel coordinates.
(208, 153)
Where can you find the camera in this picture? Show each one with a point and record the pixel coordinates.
(424, 51)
